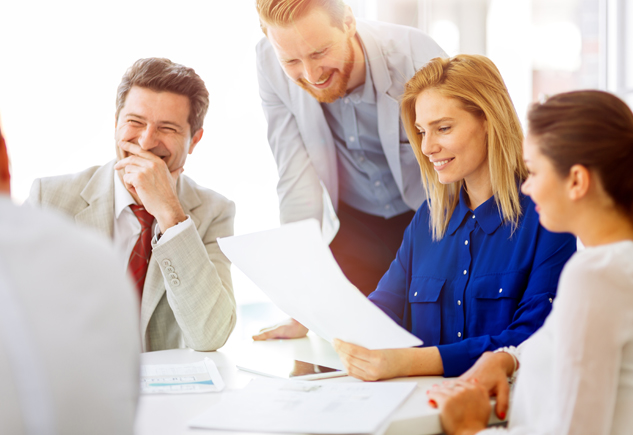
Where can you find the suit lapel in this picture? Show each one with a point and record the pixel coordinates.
(388, 106)
(99, 194)
(317, 138)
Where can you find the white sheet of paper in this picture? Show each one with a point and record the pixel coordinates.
(200, 377)
(296, 269)
(269, 405)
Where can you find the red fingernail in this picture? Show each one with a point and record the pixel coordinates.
(433, 403)
(475, 381)
(502, 416)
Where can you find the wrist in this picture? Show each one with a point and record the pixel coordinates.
(508, 362)
(424, 361)
(170, 220)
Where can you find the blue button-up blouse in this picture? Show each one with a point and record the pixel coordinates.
(479, 288)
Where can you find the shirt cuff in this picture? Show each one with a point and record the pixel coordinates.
(455, 359)
(171, 232)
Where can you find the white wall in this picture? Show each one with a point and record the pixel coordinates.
(61, 62)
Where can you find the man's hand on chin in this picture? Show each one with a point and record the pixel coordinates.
(148, 178)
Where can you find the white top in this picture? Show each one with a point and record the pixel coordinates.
(576, 372)
(127, 228)
(76, 319)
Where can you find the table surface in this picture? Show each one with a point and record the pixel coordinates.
(169, 414)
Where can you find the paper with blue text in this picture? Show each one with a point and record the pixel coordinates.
(198, 377)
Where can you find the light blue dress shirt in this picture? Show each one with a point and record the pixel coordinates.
(479, 288)
(365, 179)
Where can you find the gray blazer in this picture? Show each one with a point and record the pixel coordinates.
(198, 312)
(301, 140)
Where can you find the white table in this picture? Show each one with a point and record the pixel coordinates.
(169, 414)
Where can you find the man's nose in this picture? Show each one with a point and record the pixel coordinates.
(312, 71)
(149, 138)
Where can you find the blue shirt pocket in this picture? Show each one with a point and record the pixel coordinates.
(425, 309)
(494, 301)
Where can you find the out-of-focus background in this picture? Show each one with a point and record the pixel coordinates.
(61, 62)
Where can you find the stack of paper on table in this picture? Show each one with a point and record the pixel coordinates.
(268, 405)
(296, 269)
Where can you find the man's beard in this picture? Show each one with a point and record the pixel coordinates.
(339, 87)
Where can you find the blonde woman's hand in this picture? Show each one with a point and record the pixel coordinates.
(373, 365)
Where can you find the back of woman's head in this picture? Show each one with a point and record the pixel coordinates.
(589, 128)
(477, 84)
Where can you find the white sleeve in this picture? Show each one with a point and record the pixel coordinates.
(590, 330)
(171, 231)
(589, 335)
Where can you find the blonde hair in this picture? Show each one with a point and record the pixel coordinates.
(284, 12)
(476, 82)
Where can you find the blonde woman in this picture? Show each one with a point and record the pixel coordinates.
(475, 271)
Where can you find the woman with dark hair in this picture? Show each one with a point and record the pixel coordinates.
(576, 373)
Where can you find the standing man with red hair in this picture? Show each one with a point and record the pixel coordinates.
(330, 88)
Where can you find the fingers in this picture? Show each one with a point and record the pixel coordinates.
(355, 370)
(275, 331)
(354, 360)
(134, 164)
(265, 335)
(135, 149)
(287, 329)
(503, 399)
(353, 350)
(439, 394)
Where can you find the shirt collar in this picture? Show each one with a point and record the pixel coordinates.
(487, 214)
(366, 92)
(122, 198)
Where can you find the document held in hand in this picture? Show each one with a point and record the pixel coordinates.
(296, 269)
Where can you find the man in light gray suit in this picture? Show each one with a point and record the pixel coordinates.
(330, 87)
(163, 223)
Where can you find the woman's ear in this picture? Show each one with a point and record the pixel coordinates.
(579, 181)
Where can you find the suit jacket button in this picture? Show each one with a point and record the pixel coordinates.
(175, 282)
(173, 276)
(169, 269)
(166, 263)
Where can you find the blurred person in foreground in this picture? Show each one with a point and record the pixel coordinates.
(164, 225)
(69, 350)
(575, 375)
(330, 86)
(476, 271)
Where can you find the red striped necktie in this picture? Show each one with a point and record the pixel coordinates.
(139, 259)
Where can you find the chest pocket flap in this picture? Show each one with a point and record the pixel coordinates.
(499, 285)
(425, 289)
